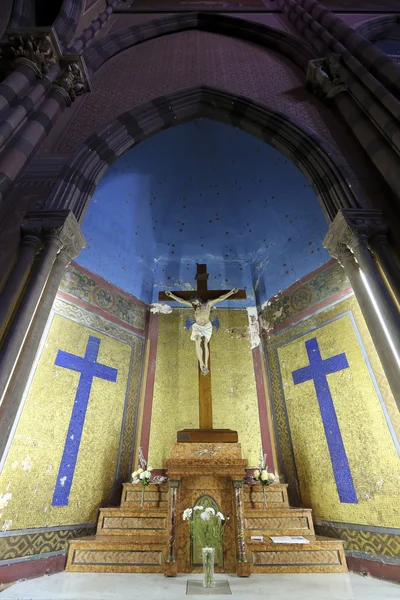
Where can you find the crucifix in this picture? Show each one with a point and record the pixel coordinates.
(202, 301)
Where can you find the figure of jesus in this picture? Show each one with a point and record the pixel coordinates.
(202, 328)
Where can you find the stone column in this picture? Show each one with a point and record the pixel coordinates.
(95, 26)
(346, 241)
(243, 568)
(54, 227)
(30, 245)
(31, 102)
(62, 233)
(170, 567)
(71, 83)
(32, 53)
(381, 248)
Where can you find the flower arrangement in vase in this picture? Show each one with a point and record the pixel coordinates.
(143, 476)
(261, 474)
(208, 525)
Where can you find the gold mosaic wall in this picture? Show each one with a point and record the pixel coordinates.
(366, 411)
(176, 392)
(31, 468)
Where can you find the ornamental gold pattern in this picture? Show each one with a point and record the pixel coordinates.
(30, 544)
(362, 540)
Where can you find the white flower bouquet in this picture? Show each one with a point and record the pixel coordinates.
(143, 475)
(263, 476)
(208, 526)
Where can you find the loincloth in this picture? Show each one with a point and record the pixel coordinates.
(201, 330)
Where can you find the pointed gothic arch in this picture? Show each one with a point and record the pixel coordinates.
(326, 170)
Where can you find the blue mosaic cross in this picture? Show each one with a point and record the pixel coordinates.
(88, 367)
(317, 371)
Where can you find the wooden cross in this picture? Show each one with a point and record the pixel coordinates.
(205, 394)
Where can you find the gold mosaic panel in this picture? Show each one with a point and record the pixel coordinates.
(133, 523)
(29, 544)
(371, 542)
(259, 523)
(175, 399)
(300, 557)
(378, 485)
(117, 557)
(31, 468)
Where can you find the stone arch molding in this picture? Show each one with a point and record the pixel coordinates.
(325, 169)
(376, 28)
(277, 40)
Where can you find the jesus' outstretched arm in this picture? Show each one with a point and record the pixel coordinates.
(224, 297)
(177, 299)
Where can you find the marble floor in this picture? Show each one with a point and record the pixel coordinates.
(107, 586)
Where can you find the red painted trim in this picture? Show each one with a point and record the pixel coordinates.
(28, 569)
(374, 568)
(311, 310)
(106, 284)
(151, 371)
(262, 408)
(98, 311)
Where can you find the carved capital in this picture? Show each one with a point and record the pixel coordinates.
(354, 228)
(323, 77)
(237, 484)
(37, 47)
(174, 483)
(73, 80)
(57, 224)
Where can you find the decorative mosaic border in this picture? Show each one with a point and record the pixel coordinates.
(128, 435)
(97, 292)
(285, 450)
(319, 287)
(30, 543)
(365, 540)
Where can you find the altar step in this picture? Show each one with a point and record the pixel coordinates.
(147, 522)
(278, 521)
(320, 555)
(156, 496)
(117, 554)
(276, 496)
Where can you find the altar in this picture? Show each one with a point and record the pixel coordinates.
(155, 539)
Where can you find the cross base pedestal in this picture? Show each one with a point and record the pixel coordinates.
(207, 435)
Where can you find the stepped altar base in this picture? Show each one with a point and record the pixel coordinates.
(200, 472)
(131, 539)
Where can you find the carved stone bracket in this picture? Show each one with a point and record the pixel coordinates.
(73, 80)
(323, 77)
(38, 48)
(57, 224)
(352, 228)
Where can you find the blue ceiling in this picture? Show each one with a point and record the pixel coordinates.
(203, 192)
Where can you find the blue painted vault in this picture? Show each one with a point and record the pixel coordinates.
(203, 192)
